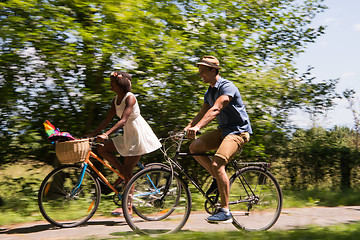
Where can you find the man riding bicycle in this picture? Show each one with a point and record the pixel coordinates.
(223, 101)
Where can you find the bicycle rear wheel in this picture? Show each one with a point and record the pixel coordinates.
(62, 203)
(255, 199)
(160, 201)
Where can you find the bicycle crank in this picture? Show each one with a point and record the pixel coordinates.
(158, 203)
(117, 199)
(209, 208)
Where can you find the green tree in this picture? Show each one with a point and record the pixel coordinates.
(350, 96)
(56, 57)
(322, 158)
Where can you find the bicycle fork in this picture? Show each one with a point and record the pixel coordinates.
(80, 180)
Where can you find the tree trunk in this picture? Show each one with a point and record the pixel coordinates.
(345, 169)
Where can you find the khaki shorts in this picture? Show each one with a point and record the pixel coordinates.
(227, 147)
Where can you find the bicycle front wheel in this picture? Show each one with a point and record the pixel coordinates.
(160, 200)
(65, 203)
(255, 199)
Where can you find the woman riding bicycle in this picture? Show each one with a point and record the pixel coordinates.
(138, 137)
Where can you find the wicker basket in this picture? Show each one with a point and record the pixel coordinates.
(72, 151)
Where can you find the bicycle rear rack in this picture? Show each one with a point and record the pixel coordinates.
(265, 165)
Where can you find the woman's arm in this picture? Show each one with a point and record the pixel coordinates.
(110, 115)
(129, 104)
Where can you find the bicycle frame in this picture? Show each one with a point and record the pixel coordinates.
(234, 163)
(255, 196)
(88, 162)
(243, 181)
(175, 163)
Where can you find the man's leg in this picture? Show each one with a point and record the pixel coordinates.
(228, 148)
(222, 180)
(223, 214)
(206, 142)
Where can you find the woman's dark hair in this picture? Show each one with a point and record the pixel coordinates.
(123, 79)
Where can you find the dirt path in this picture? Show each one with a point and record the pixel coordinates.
(112, 227)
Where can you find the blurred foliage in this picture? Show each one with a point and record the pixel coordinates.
(56, 57)
(320, 159)
(354, 106)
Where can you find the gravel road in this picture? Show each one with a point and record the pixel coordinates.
(106, 228)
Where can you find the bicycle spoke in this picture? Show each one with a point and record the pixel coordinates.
(160, 204)
(255, 199)
(58, 202)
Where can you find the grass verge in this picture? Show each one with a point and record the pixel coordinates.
(336, 232)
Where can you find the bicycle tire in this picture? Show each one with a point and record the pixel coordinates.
(164, 202)
(155, 164)
(255, 199)
(139, 212)
(62, 208)
(156, 180)
(118, 197)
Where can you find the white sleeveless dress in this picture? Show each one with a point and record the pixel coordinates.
(138, 137)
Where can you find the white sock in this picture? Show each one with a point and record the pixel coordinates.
(226, 210)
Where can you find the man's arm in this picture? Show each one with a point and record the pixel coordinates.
(210, 115)
(205, 107)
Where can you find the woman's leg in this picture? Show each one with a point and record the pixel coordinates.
(129, 164)
(128, 168)
(108, 152)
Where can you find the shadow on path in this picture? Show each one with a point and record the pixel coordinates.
(45, 227)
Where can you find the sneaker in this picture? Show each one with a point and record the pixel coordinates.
(212, 188)
(220, 217)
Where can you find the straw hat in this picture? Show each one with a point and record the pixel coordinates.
(209, 61)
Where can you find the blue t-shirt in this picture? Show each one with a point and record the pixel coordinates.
(233, 119)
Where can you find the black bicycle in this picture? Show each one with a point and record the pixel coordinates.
(163, 201)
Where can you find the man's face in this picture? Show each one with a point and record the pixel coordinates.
(206, 73)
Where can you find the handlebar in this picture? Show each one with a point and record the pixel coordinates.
(92, 141)
(173, 135)
(179, 135)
